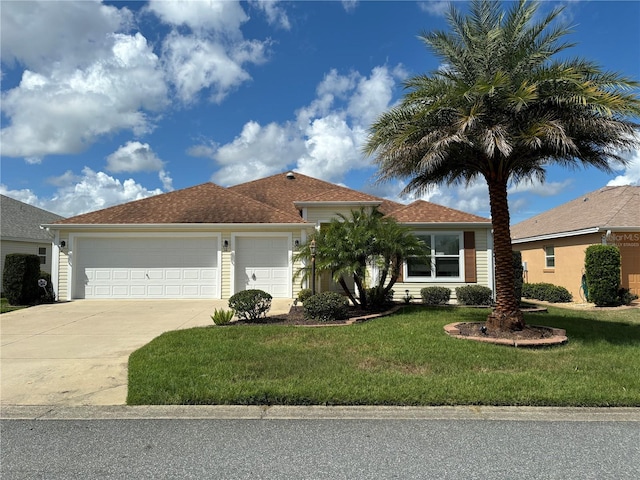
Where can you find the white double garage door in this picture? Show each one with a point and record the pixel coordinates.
(177, 267)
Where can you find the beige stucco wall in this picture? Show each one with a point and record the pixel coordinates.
(11, 246)
(569, 260)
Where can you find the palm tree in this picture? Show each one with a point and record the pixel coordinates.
(501, 108)
(349, 245)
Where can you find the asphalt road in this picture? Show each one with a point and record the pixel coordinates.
(318, 449)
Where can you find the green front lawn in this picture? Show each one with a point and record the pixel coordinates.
(404, 359)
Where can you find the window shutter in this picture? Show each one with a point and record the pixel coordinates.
(470, 257)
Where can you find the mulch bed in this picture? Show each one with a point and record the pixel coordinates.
(529, 332)
(296, 317)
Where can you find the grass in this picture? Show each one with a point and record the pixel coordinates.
(404, 359)
(6, 307)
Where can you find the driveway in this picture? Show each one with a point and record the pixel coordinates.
(76, 353)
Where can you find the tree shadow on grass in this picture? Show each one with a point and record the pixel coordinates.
(589, 329)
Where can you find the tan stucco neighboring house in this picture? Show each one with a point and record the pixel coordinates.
(20, 231)
(553, 243)
(211, 242)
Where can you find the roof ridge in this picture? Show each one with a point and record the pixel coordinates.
(276, 209)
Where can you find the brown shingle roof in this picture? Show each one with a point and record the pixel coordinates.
(607, 207)
(427, 212)
(282, 190)
(205, 203)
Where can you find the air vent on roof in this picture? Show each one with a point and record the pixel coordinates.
(290, 176)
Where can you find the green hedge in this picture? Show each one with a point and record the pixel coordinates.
(474, 295)
(326, 306)
(435, 295)
(602, 267)
(20, 278)
(546, 292)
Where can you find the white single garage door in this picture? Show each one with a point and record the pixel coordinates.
(146, 267)
(263, 263)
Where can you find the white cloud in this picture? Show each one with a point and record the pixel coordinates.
(41, 35)
(213, 54)
(324, 140)
(631, 175)
(331, 148)
(203, 151)
(65, 111)
(544, 189)
(257, 152)
(373, 95)
(167, 181)
(438, 8)
(194, 64)
(349, 5)
(88, 192)
(276, 15)
(134, 157)
(222, 17)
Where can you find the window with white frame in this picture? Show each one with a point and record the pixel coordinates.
(444, 261)
(549, 257)
(42, 253)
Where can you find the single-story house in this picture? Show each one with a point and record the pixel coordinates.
(553, 243)
(208, 241)
(20, 231)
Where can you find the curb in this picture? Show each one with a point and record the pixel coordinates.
(264, 412)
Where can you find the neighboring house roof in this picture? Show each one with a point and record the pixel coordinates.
(282, 190)
(205, 203)
(607, 208)
(21, 221)
(427, 212)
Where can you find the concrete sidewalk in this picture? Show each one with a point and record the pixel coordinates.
(76, 353)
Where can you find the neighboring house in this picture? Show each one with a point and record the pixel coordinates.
(20, 231)
(211, 242)
(553, 244)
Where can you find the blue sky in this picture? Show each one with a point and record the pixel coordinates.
(107, 102)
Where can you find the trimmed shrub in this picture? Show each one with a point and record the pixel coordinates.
(517, 273)
(474, 295)
(326, 306)
(626, 297)
(435, 295)
(20, 278)
(250, 305)
(222, 316)
(47, 295)
(546, 292)
(602, 267)
(377, 298)
(304, 294)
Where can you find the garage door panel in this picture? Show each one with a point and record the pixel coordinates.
(146, 267)
(263, 263)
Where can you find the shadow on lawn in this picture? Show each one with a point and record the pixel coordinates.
(590, 330)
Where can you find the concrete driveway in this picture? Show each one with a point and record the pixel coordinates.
(76, 353)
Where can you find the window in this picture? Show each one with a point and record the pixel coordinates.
(549, 257)
(42, 253)
(443, 262)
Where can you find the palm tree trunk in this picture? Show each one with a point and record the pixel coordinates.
(507, 314)
(346, 290)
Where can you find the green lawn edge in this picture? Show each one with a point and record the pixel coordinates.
(402, 359)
